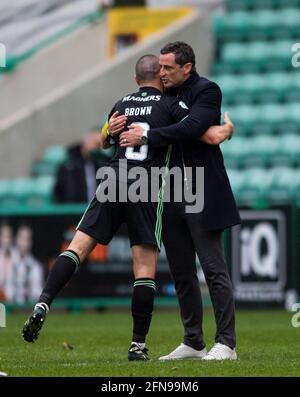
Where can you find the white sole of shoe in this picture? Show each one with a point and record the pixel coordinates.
(177, 359)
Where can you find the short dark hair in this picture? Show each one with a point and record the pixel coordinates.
(147, 68)
(183, 53)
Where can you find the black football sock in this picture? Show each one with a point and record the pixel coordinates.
(142, 307)
(61, 272)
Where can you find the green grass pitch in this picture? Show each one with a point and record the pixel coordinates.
(268, 345)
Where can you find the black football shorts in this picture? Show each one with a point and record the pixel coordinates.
(102, 219)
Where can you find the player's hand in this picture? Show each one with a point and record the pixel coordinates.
(116, 124)
(229, 124)
(217, 134)
(132, 137)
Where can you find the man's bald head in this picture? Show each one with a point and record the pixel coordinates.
(147, 69)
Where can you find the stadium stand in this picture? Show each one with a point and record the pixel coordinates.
(260, 88)
(255, 56)
(31, 192)
(49, 163)
(261, 91)
(233, 5)
(274, 87)
(35, 191)
(29, 26)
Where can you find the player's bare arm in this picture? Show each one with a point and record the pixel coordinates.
(217, 134)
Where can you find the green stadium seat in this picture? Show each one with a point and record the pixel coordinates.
(42, 168)
(259, 151)
(16, 192)
(230, 86)
(253, 86)
(26, 191)
(295, 190)
(288, 152)
(55, 154)
(259, 88)
(280, 56)
(292, 90)
(53, 157)
(289, 22)
(236, 150)
(286, 184)
(257, 184)
(244, 118)
(234, 58)
(4, 189)
(237, 180)
(264, 149)
(264, 24)
(277, 85)
(291, 122)
(232, 27)
(285, 3)
(247, 4)
(233, 5)
(244, 89)
(269, 119)
(257, 25)
(254, 57)
(41, 193)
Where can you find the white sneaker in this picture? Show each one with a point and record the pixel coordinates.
(183, 351)
(221, 352)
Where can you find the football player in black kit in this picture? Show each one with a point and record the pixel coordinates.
(103, 218)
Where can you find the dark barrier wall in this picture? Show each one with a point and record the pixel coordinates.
(262, 253)
(31, 242)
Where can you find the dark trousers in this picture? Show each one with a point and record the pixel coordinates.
(183, 237)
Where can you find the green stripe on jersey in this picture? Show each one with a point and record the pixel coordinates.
(160, 204)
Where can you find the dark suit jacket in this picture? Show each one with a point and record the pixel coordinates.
(203, 97)
(71, 186)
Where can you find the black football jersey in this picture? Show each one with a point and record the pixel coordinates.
(152, 109)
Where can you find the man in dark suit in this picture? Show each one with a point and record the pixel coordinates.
(187, 234)
(76, 178)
